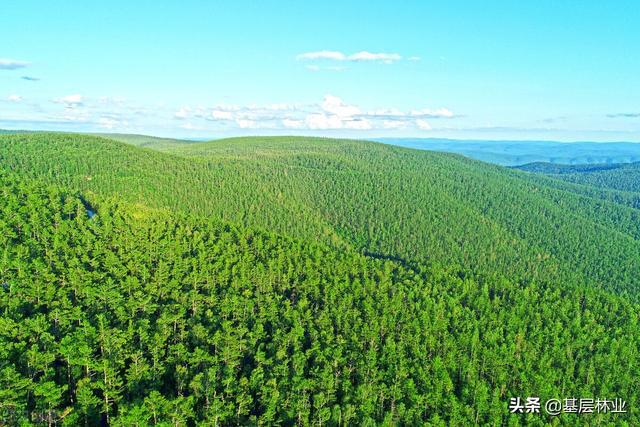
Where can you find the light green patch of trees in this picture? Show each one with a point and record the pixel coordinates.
(142, 316)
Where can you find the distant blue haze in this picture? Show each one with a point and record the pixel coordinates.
(515, 153)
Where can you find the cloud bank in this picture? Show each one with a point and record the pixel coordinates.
(332, 113)
(115, 113)
(624, 115)
(362, 56)
(12, 64)
(70, 101)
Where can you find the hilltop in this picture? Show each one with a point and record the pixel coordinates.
(146, 141)
(381, 200)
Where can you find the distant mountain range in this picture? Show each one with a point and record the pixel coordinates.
(514, 153)
(614, 176)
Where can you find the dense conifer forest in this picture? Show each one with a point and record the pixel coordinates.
(382, 200)
(618, 176)
(306, 281)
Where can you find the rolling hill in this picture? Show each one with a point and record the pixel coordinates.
(381, 200)
(620, 176)
(145, 140)
(147, 316)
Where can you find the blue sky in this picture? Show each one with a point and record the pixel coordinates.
(563, 70)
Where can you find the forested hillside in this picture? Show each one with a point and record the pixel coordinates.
(385, 201)
(145, 140)
(556, 168)
(620, 176)
(137, 316)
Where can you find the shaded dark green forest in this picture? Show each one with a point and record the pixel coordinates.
(305, 282)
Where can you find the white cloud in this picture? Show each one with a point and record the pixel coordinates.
(358, 124)
(70, 101)
(246, 124)
(423, 124)
(334, 105)
(336, 114)
(107, 123)
(440, 112)
(323, 121)
(75, 116)
(393, 124)
(323, 54)
(362, 56)
(182, 113)
(414, 58)
(293, 124)
(387, 58)
(112, 100)
(393, 118)
(12, 64)
(331, 113)
(190, 126)
(221, 115)
(273, 107)
(389, 112)
(226, 107)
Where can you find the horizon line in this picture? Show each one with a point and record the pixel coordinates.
(368, 138)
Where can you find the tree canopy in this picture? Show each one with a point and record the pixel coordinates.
(138, 314)
(265, 281)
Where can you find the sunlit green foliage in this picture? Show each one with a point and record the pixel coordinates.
(378, 199)
(142, 316)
